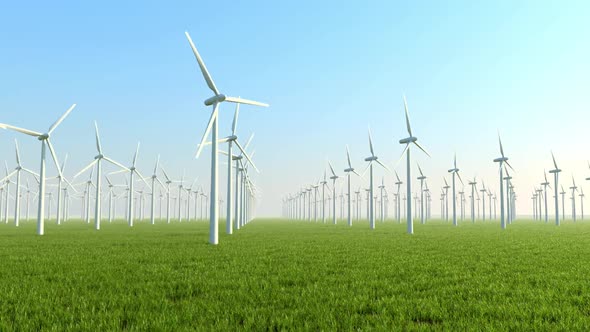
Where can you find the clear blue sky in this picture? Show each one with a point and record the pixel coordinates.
(329, 70)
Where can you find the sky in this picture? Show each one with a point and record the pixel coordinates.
(329, 70)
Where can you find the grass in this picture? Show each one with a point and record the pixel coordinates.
(275, 275)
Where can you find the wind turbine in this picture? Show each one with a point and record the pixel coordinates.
(153, 202)
(473, 192)
(371, 159)
(132, 171)
(455, 171)
(334, 177)
(407, 141)
(17, 170)
(574, 188)
(212, 127)
(446, 188)
(97, 161)
(545, 185)
(421, 178)
(582, 203)
(562, 203)
(501, 160)
(349, 170)
(45, 143)
(483, 191)
(398, 183)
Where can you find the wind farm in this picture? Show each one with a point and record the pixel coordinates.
(399, 167)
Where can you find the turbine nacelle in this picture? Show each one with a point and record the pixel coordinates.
(454, 170)
(501, 160)
(43, 137)
(408, 140)
(372, 158)
(349, 170)
(555, 171)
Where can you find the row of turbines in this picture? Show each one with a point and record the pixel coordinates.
(242, 193)
(304, 203)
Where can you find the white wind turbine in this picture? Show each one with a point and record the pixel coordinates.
(545, 185)
(501, 160)
(398, 183)
(17, 171)
(574, 188)
(422, 178)
(97, 161)
(45, 143)
(132, 171)
(407, 141)
(372, 158)
(334, 177)
(349, 170)
(212, 127)
(455, 172)
(153, 202)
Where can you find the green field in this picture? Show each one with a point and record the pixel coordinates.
(275, 275)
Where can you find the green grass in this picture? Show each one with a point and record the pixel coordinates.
(296, 276)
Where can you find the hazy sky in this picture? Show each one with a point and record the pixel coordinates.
(329, 70)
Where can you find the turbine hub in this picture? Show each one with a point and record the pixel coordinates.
(43, 137)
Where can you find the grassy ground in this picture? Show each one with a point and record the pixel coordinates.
(296, 276)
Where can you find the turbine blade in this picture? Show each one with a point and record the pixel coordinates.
(17, 152)
(54, 157)
(116, 163)
(136, 153)
(554, 162)
(119, 172)
(85, 168)
(165, 174)
(507, 163)
(238, 100)
(331, 168)
(63, 166)
(249, 141)
(383, 165)
(421, 148)
(403, 153)
(371, 143)
(407, 116)
(98, 146)
(54, 126)
(235, 122)
(455, 161)
(365, 171)
(246, 155)
(419, 169)
(501, 148)
(20, 130)
(204, 70)
(397, 176)
(348, 157)
(207, 130)
(459, 176)
(157, 164)
(142, 178)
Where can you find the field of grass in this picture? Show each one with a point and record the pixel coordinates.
(278, 275)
